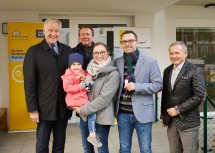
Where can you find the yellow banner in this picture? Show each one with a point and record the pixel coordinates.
(21, 35)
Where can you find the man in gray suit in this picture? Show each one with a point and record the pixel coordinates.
(140, 78)
(183, 92)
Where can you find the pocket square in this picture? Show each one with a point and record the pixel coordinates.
(185, 77)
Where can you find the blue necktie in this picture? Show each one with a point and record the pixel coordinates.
(54, 49)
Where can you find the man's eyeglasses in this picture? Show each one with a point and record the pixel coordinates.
(85, 34)
(130, 41)
(101, 53)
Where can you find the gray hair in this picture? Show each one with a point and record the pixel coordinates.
(180, 43)
(52, 21)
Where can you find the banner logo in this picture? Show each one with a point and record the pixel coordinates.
(16, 33)
(39, 34)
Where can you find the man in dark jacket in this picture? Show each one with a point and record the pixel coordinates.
(44, 64)
(86, 36)
(183, 92)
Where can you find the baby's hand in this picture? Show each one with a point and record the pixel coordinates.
(82, 78)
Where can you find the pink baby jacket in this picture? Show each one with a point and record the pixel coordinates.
(75, 96)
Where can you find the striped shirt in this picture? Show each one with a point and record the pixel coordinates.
(125, 104)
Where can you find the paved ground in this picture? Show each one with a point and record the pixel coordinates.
(25, 142)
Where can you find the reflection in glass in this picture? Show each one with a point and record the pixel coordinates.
(201, 51)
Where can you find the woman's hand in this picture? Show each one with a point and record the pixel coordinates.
(77, 109)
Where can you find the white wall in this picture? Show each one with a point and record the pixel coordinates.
(163, 25)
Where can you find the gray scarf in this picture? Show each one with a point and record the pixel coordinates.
(94, 68)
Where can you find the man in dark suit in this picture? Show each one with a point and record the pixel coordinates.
(44, 64)
(183, 92)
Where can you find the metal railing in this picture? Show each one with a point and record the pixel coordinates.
(208, 125)
(156, 107)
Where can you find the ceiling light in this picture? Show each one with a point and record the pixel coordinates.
(210, 5)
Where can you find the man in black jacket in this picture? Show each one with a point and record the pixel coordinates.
(86, 36)
(183, 92)
(44, 64)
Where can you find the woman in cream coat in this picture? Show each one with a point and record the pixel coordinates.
(106, 82)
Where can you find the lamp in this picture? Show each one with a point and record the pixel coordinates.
(210, 5)
(4, 28)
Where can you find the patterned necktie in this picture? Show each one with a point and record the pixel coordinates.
(54, 49)
(174, 75)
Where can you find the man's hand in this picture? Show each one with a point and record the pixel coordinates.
(34, 117)
(172, 112)
(163, 125)
(130, 86)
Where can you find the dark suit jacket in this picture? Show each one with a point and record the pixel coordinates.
(188, 93)
(42, 80)
(86, 52)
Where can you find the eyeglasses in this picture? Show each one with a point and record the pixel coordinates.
(85, 34)
(102, 53)
(130, 41)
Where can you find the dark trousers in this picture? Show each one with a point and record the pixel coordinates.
(44, 129)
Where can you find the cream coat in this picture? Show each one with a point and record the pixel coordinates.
(102, 95)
